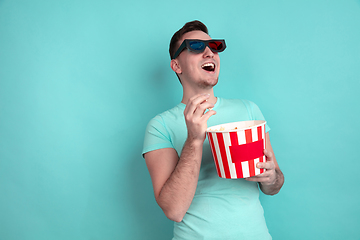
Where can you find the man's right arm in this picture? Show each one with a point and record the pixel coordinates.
(175, 179)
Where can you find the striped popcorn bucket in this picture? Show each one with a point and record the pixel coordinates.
(237, 147)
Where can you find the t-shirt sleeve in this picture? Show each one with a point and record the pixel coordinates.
(156, 136)
(256, 114)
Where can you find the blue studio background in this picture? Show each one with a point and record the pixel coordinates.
(79, 81)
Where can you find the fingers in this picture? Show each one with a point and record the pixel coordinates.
(196, 101)
(201, 109)
(266, 165)
(196, 116)
(269, 164)
(261, 178)
(197, 106)
(268, 177)
(269, 154)
(208, 114)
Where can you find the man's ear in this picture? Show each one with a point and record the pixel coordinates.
(175, 66)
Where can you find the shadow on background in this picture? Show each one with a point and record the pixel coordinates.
(151, 221)
(162, 94)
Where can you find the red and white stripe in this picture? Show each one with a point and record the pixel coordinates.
(220, 143)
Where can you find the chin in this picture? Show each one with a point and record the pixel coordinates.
(209, 83)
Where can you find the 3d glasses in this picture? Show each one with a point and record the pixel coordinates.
(198, 46)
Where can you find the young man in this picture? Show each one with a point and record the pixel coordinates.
(178, 156)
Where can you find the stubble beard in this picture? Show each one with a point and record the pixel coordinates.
(206, 84)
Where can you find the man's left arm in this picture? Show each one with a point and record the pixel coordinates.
(272, 179)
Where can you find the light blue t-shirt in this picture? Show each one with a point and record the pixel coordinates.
(221, 208)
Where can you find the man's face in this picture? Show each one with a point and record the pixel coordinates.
(198, 69)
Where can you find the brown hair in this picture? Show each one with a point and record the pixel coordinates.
(188, 27)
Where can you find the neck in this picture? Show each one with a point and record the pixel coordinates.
(189, 94)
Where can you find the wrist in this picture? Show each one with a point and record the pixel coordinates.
(195, 142)
(275, 186)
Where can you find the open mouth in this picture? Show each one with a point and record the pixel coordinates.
(210, 67)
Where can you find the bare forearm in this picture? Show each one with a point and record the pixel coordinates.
(177, 193)
(274, 188)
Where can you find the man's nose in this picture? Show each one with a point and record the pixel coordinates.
(208, 52)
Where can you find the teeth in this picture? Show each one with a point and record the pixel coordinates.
(208, 65)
